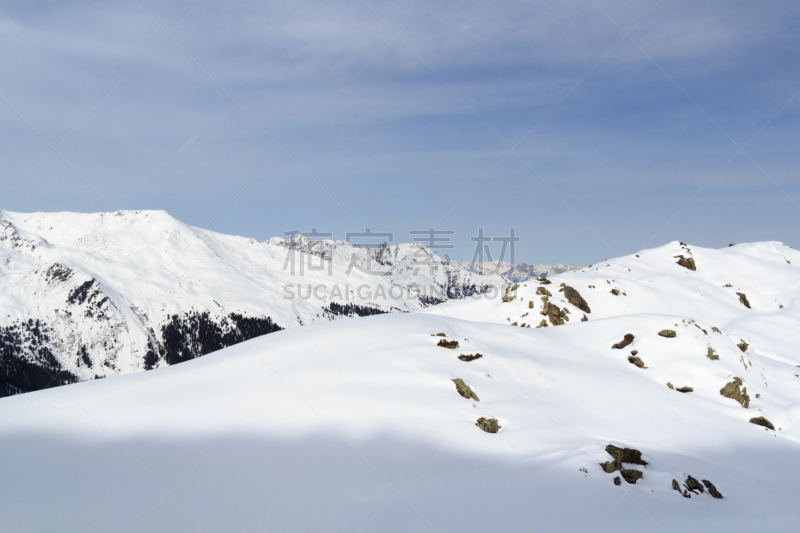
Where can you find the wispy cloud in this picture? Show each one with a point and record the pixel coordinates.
(169, 137)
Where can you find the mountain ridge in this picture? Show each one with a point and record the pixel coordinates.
(95, 295)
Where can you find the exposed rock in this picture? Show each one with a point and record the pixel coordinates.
(686, 263)
(58, 273)
(670, 385)
(440, 335)
(554, 313)
(711, 355)
(712, 489)
(684, 389)
(489, 425)
(676, 485)
(693, 485)
(575, 298)
(469, 358)
(611, 466)
(541, 291)
(448, 344)
(585, 318)
(634, 352)
(615, 292)
(626, 455)
(636, 361)
(743, 299)
(512, 289)
(743, 346)
(464, 390)
(544, 281)
(624, 342)
(617, 481)
(630, 475)
(668, 333)
(731, 390)
(763, 422)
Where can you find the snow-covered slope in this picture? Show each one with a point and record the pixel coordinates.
(93, 295)
(357, 425)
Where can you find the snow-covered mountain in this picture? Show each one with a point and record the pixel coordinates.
(93, 295)
(661, 392)
(515, 273)
(524, 272)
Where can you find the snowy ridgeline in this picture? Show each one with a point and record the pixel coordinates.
(516, 273)
(653, 392)
(84, 296)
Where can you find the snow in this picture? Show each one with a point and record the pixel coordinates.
(515, 273)
(355, 424)
(148, 266)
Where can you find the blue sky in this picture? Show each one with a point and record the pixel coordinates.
(595, 128)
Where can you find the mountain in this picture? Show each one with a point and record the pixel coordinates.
(515, 273)
(523, 271)
(645, 416)
(87, 296)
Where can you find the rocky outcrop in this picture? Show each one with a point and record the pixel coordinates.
(733, 391)
(464, 390)
(489, 425)
(575, 298)
(626, 340)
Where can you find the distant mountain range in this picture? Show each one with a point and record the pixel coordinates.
(86, 296)
(516, 273)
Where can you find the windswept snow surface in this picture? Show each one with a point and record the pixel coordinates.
(356, 425)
